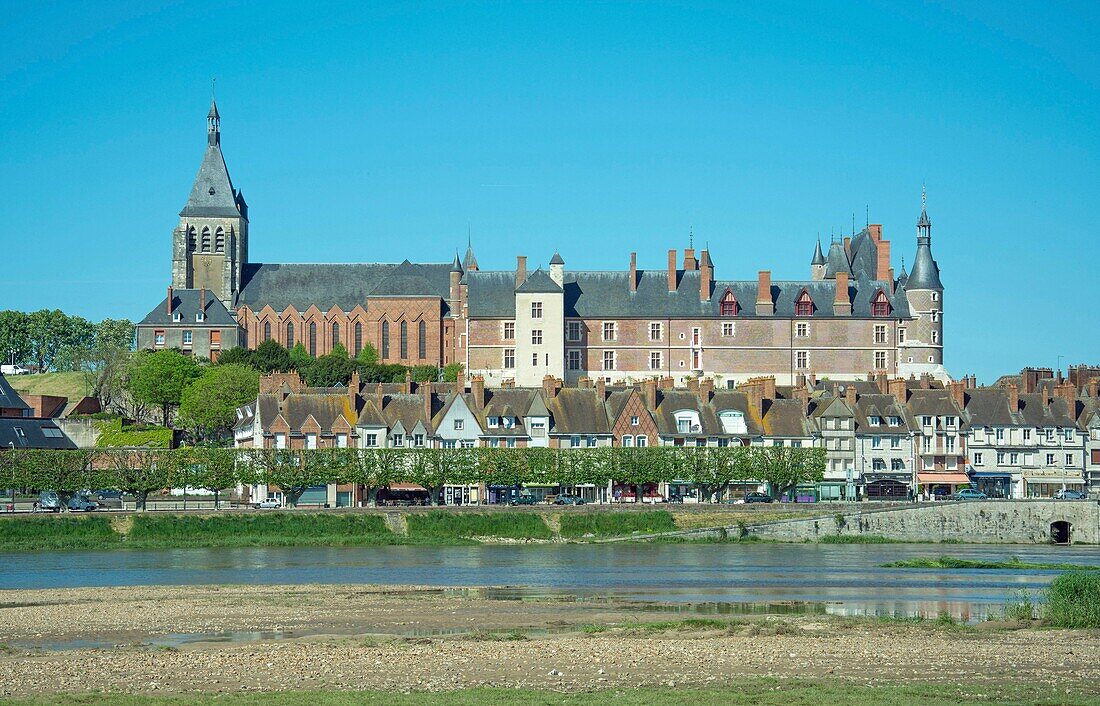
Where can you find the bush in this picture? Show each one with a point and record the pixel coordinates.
(512, 525)
(610, 524)
(113, 434)
(1073, 600)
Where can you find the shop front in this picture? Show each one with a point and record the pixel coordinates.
(886, 486)
(460, 495)
(995, 485)
(1048, 486)
(940, 486)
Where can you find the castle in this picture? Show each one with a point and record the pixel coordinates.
(852, 316)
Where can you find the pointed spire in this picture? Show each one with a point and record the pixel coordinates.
(557, 259)
(212, 193)
(923, 220)
(691, 237)
(819, 258)
(456, 266)
(470, 261)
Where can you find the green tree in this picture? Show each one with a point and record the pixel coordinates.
(329, 370)
(211, 469)
(159, 378)
(15, 342)
(450, 372)
(105, 370)
(209, 404)
(48, 333)
(300, 359)
(785, 468)
(425, 373)
(235, 356)
(271, 357)
(368, 355)
(140, 472)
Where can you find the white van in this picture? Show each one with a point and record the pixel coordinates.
(13, 370)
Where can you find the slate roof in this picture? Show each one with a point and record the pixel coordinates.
(342, 285)
(884, 407)
(27, 433)
(786, 419)
(934, 403)
(9, 398)
(926, 273)
(577, 411)
(409, 409)
(188, 302)
(607, 294)
(557, 259)
(819, 259)
(538, 282)
(837, 261)
(212, 192)
(297, 408)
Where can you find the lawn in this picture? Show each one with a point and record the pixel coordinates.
(615, 524)
(57, 533)
(258, 530)
(71, 385)
(454, 525)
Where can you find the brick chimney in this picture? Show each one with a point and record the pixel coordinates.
(672, 270)
(842, 304)
(755, 392)
(693, 384)
(800, 380)
(958, 393)
(813, 379)
(202, 301)
(690, 263)
(601, 390)
(477, 389)
(925, 381)
(880, 381)
(801, 394)
(633, 272)
(1068, 392)
(1094, 387)
(508, 384)
(848, 247)
(1013, 397)
(170, 297)
(883, 264)
(425, 391)
(875, 229)
(407, 388)
(549, 385)
(649, 390)
(764, 306)
(521, 270)
(353, 390)
(666, 383)
(460, 382)
(706, 273)
(850, 394)
(706, 387)
(897, 388)
(379, 395)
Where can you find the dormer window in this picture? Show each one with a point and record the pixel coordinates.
(728, 305)
(176, 316)
(200, 317)
(874, 421)
(881, 304)
(493, 422)
(804, 305)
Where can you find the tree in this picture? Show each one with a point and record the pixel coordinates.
(784, 468)
(300, 359)
(451, 371)
(140, 472)
(271, 357)
(368, 355)
(235, 356)
(425, 373)
(160, 377)
(294, 472)
(329, 370)
(104, 371)
(15, 346)
(48, 332)
(210, 469)
(711, 470)
(209, 404)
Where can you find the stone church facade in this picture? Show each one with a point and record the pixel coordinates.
(852, 316)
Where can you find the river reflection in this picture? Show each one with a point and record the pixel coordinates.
(719, 578)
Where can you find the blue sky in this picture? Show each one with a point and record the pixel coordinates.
(376, 132)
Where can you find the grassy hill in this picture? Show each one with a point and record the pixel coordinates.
(71, 385)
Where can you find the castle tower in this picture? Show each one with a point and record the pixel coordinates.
(922, 350)
(210, 244)
(817, 265)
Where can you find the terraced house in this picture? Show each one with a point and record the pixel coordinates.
(678, 319)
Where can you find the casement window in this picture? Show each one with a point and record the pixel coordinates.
(628, 441)
(901, 336)
(641, 441)
(158, 338)
(1014, 458)
(874, 420)
(1069, 459)
(696, 359)
(534, 360)
(1067, 434)
(509, 358)
(728, 329)
(804, 305)
(591, 442)
(1027, 435)
(897, 464)
(633, 421)
(372, 440)
(881, 305)
(802, 359)
(655, 360)
(280, 440)
(509, 331)
(609, 360)
(655, 331)
(311, 441)
(573, 331)
(1000, 458)
(341, 441)
(801, 330)
(177, 316)
(459, 424)
(418, 440)
(1000, 435)
(935, 339)
(609, 331)
(398, 440)
(876, 442)
(880, 333)
(894, 421)
(187, 338)
(935, 316)
(404, 341)
(895, 442)
(880, 360)
(536, 337)
(728, 305)
(978, 458)
(573, 359)
(1050, 459)
(935, 296)
(536, 310)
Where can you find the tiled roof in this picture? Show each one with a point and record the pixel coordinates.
(9, 398)
(27, 433)
(342, 285)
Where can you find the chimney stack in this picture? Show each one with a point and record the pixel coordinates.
(1068, 392)
(672, 270)
(850, 394)
(1013, 397)
(477, 389)
(898, 389)
(379, 395)
(1094, 387)
(549, 385)
(764, 306)
(460, 382)
(521, 270)
(880, 381)
(883, 264)
(425, 390)
(842, 304)
(649, 388)
(601, 390)
(508, 384)
(706, 273)
(666, 383)
(690, 264)
(801, 394)
(633, 272)
(407, 388)
(202, 301)
(958, 393)
(755, 392)
(170, 297)
(925, 381)
(693, 384)
(706, 387)
(353, 389)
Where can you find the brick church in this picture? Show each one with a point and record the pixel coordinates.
(852, 316)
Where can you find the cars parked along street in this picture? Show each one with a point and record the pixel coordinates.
(969, 494)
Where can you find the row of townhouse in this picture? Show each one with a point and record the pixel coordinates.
(884, 438)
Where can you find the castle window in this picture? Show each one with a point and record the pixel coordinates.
(192, 239)
(881, 305)
(573, 330)
(655, 331)
(206, 240)
(313, 338)
(536, 310)
(422, 339)
(358, 338)
(219, 241)
(573, 359)
(802, 359)
(335, 335)
(655, 360)
(404, 340)
(290, 334)
(267, 330)
(509, 332)
(880, 360)
(880, 333)
(728, 305)
(509, 358)
(536, 337)
(804, 306)
(609, 360)
(385, 340)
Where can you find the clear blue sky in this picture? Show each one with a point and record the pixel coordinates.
(376, 132)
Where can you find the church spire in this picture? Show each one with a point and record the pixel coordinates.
(213, 124)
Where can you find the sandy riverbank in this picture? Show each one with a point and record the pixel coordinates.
(354, 637)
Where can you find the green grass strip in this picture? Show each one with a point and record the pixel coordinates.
(268, 529)
(69, 532)
(576, 524)
(439, 524)
(950, 562)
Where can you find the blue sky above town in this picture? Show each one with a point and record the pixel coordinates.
(383, 131)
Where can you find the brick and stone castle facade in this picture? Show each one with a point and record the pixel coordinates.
(851, 316)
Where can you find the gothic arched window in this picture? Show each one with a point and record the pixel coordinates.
(313, 338)
(385, 340)
(404, 340)
(290, 334)
(335, 335)
(880, 306)
(358, 338)
(728, 305)
(267, 330)
(804, 305)
(192, 239)
(422, 340)
(219, 240)
(206, 240)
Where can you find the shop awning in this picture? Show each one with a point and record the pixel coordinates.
(405, 486)
(943, 478)
(1055, 480)
(991, 474)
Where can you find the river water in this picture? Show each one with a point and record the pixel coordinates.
(726, 578)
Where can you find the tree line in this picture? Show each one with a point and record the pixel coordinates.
(54, 340)
(142, 472)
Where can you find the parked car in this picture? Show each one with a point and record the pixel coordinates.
(107, 494)
(48, 501)
(569, 500)
(969, 494)
(1069, 494)
(13, 370)
(675, 498)
(79, 502)
(758, 498)
(269, 504)
(524, 499)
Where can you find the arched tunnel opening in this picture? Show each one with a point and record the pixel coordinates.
(1060, 532)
